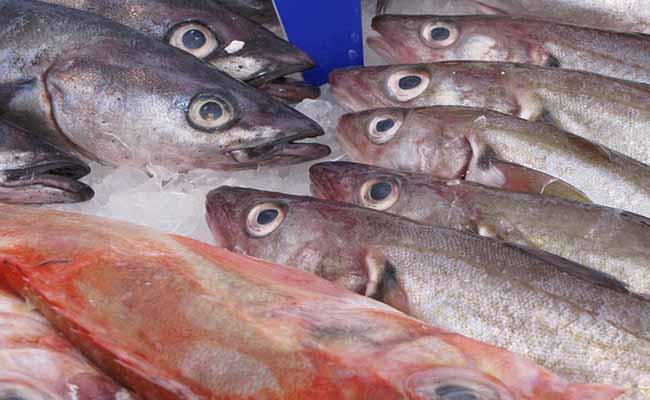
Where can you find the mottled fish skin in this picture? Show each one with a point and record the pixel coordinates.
(37, 363)
(584, 328)
(32, 171)
(234, 44)
(121, 97)
(430, 38)
(605, 110)
(480, 146)
(260, 11)
(621, 15)
(606, 239)
(173, 318)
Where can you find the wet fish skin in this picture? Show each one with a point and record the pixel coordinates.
(407, 39)
(606, 239)
(604, 110)
(260, 11)
(621, 15)
(262, 58)
(481, 146)
(32, 171)
(177, 319)
(586, 329)
(37, 363)
(116, 95)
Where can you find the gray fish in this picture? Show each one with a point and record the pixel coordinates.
(430, 38)
(496, 150)
(577, 322)
(207, 30)
(605, 110)
(116, 95)
(33, 171)
(606, 239)
(260, 11)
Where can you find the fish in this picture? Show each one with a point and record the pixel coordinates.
(606, 239)
(620, 15)
(32, 171)
(209, 31)
(173, 318)
(37, 363)
(291, 90)
(115, 95)
(582, 324)
(431, 38)
(497, 150)
(605, 110)
(260, 11)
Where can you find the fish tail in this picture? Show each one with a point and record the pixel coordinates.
(593, 392)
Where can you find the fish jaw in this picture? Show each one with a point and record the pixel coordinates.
(290, 91)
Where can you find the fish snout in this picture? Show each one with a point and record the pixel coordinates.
(269, 60)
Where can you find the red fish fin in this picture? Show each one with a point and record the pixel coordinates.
(593, 392)
(383, 284)
(517, 178)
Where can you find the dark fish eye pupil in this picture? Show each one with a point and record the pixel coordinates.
(194, 39)
(409, 82)
(267, 216)
(211, 111)
(380, 191)
(439, 34)
(453, 392)
(385, 125)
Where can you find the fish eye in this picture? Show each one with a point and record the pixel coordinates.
(194, 38)
(439, 34)
(383, 128)
(407, 84)
(264, 218)
(209, 112)
(379, 194)
(454, 392)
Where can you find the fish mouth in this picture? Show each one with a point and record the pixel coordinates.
(270, 74)
(290, 90)
(286, 151)
(46, 183)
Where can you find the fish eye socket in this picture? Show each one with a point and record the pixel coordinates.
(439, 34)
(209, 113)
(264, 219)
(194, 38)
(379, 194)
(383, 128)
(405, 85)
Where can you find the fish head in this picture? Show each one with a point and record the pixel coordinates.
(302, 232)
(32, 171)
(164, 108)
(418, 140)
(432, 38)
(228, 41)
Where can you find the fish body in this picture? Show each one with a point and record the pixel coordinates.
(260, 11)
(621, 15)
(609, 240)
(32, 171)
(37, 363)
(577, 322)
(605, 110)
(496, 150)
(431, 38)
(173, 318)
(116, 95)
(207, 30)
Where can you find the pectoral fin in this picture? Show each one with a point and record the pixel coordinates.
(11, 90)
(383, 284)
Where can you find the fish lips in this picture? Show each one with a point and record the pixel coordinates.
(285, 151)
(46, 183)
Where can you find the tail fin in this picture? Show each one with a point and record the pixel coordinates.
(593, 392)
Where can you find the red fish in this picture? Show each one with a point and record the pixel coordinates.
(173, 318)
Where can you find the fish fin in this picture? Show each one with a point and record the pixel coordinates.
(545, 117)
(552, 61)
(575, 269)
(490, 10)
(9, 90)
(593, 392)
(382, 6)
(383, 284)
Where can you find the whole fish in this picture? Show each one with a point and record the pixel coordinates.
(577, 322)
(605, 110)
(207, 30)
(173, 318)
(606, 239)
(37, 363)
(115, 95)
(429, 38)
(496, 150)
(622, 15)
(33, 171)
